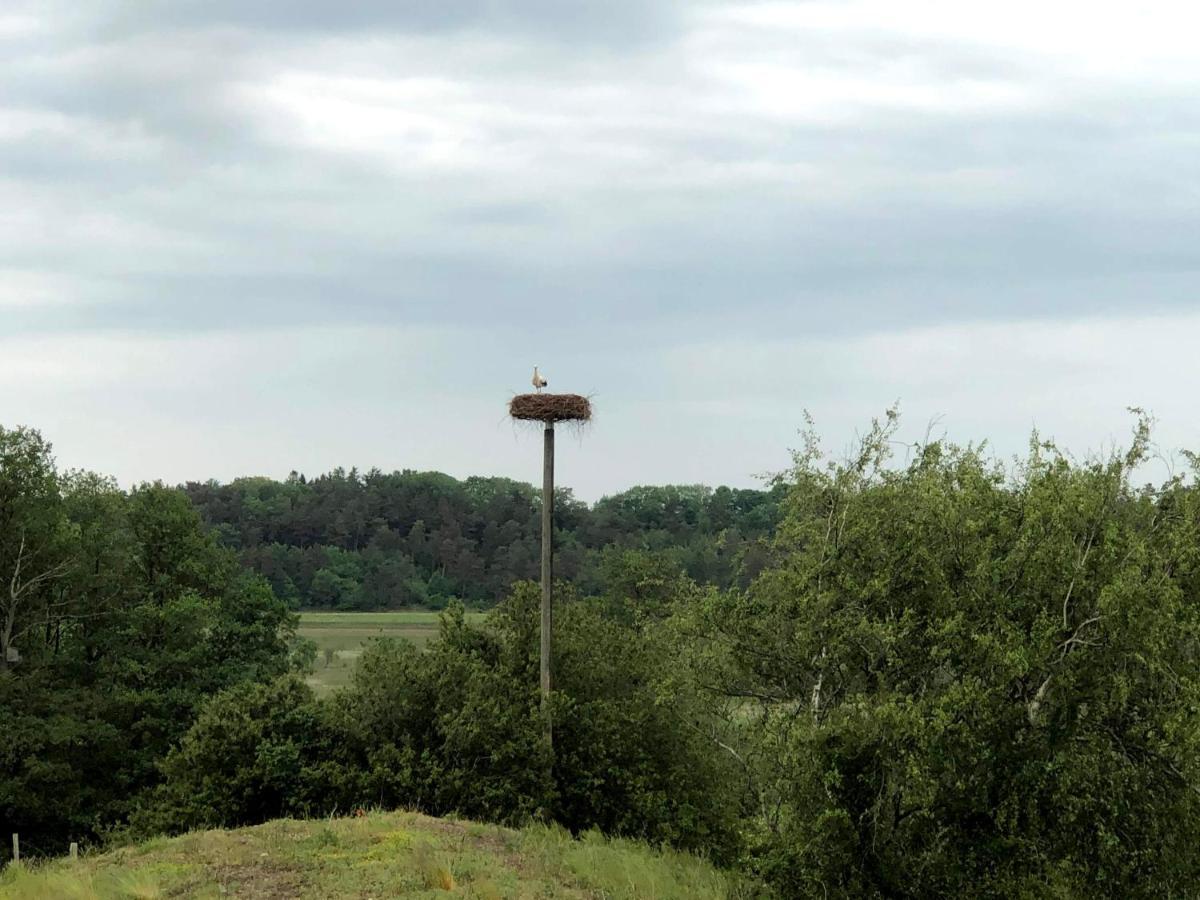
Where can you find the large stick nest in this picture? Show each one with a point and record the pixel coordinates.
(550, 407)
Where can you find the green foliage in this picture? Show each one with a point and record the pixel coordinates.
(349, 541)
(957, 679)
(940, 677)
(34, 540)
(256, 752)
(631, 755)
(457, 728)
(126, 615)
(446, 730)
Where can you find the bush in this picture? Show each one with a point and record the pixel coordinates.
(448, 729)
(457, 728)
(958, 679)
(256, 752)
(631, 757)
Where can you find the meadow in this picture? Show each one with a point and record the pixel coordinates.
(374, 855)
(341, 636)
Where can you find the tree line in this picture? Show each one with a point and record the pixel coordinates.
(369, 541)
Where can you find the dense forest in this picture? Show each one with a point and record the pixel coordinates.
(353, 541)
(950, 677)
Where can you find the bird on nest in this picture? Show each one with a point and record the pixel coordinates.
(538, 381)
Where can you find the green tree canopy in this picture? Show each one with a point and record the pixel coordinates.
(126, 615)
(958, 678)
(355, 541)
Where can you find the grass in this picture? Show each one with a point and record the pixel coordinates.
(378, 855)
(345, 633)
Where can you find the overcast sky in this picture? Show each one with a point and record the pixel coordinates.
(244, 237)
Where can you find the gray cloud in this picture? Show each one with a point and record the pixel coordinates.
(594, 23)
(619, 179)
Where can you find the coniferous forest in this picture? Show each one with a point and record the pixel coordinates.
(352, 541)
(918, 675)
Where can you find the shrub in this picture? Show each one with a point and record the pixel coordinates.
(256, 752)
(961, 679)
(457, 728)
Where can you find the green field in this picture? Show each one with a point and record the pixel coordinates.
(345, 633)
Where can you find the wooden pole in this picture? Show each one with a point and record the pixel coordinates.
(547, 572)
(16, 848)
(74, 850)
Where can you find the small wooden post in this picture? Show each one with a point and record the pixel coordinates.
(74, 850)
(16, 848)
(547, 572)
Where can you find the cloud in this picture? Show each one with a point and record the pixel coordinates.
(723, 409)
(586, 22)
(615, 182)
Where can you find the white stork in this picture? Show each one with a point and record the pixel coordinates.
(538, 381)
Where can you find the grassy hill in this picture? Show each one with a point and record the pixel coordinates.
(378, 855)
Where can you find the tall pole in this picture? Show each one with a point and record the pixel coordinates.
(547, 571)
